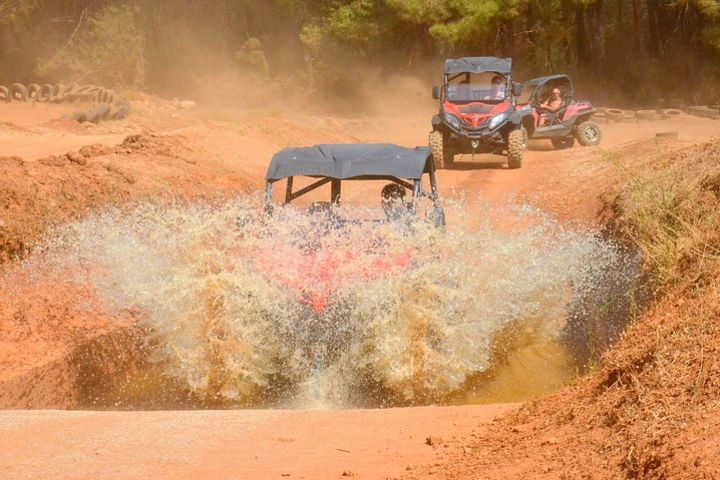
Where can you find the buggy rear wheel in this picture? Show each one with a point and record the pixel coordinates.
(516, 145)
(443, 154)
(562, 143)
(588, 133)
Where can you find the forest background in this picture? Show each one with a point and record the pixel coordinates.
(630, 52)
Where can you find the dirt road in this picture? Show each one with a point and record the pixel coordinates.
(209, 156)
(230, 444)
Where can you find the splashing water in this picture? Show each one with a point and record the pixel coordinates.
(303, 309)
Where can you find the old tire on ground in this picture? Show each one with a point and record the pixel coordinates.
(18, 92)
(516, 144)
(563, 143)
(97, 113)
(123, 109)
(703, 111)
(615, 114)
(648, 115)
(46, 93)
(79, 116)
(443, 155)
(672, 112)
(58, 93)
(33, 92)
(588, 133)
(4, 94)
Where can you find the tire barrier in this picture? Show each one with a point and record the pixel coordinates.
(630, 116)
(615, 114)
(672, 112)
(108, 104)
(648, 115)
(704, 111)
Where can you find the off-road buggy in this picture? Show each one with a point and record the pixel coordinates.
(335, 164)
(404, 168)
(332, 250)
(477, 111)
(571, 122)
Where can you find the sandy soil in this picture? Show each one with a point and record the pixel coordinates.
(231, 444)
(201, 154)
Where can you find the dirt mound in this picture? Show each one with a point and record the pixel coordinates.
(54, 336)
(36, 195)
(650, 410)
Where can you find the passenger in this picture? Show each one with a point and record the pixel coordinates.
(393, 202)
(497, 91)
(548, 110)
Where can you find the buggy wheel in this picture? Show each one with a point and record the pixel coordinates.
(517, 142)
(562, 143)
(588, 133)
(442, 153)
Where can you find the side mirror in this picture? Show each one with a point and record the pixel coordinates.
(517, 89)
(436, 93)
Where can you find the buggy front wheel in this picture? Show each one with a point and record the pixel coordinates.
(516, 145)
(442, 153)
(588, 133)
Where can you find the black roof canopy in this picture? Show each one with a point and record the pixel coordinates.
(351, 161)
(534, 82)
(478, 65)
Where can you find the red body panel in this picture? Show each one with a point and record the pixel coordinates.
(316, 275)
(572, 110)
(575, 108)
(475, 119)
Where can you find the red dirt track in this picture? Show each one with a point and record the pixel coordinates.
(53, 171)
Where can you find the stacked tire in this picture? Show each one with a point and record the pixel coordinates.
(704, 111)
(108, 104)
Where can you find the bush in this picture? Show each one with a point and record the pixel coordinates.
(252, 58)
(671, 210)
(109, 50)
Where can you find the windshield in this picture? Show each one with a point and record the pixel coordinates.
(472, 87)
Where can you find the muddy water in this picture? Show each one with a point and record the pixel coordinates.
(328, 309)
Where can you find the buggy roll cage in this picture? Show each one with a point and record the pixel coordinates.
(334, 164)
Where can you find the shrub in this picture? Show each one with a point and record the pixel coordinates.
(252, 58)
(671, 210)
(109, 50)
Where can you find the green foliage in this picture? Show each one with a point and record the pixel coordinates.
(311, 37)
(661, 48)
(252, 58)
(108, 50)
(472, 21)
(355, 22)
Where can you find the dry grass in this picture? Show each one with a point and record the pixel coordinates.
(671, 210)
(650, 409)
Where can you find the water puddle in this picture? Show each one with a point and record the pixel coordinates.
(328, 309)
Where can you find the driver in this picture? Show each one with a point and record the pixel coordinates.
(497, 91)
(549, 108)
(393, 201)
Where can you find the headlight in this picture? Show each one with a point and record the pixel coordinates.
(453, 121)
(496, 120)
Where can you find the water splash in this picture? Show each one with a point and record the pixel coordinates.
(323, 309)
